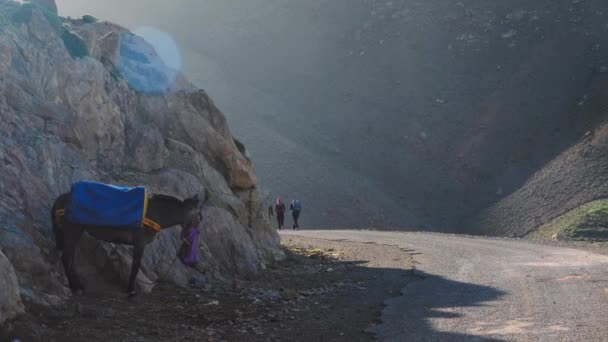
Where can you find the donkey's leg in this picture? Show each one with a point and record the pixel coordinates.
(71, 236)
(138, 253)
(66, 258)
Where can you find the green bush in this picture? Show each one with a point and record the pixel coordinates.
(89, 19)
(240, 146)
(76, 46)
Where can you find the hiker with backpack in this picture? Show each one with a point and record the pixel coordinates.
(296, 208)
(279, 209)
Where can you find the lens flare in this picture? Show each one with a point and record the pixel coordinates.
(149, 60)
(165, 46)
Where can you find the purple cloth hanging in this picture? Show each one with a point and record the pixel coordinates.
(188, 252)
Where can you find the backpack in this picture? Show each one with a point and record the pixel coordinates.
(297, 206)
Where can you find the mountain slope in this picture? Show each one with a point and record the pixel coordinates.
(441, 108)
(574, 178)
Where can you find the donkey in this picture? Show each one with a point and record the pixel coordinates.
(166, 211)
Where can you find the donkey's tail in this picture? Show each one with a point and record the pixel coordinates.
(57, 230)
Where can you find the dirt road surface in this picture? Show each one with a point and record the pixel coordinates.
(479, 289)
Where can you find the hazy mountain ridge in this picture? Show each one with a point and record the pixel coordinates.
(436, 109)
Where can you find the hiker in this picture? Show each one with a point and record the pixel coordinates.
(188, 252)
(296, 208)
(279, 208)
(270, 211)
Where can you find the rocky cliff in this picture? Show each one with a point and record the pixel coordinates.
(84, 99)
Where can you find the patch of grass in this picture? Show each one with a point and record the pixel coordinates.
(588, 222)
(314, 253)
(75, 45)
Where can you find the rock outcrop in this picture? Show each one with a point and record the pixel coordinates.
(90, 100)
(10, 301)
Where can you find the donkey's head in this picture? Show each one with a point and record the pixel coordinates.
(193, 207)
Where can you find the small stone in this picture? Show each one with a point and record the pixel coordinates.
(509, 34)
(290, 294)
(305, 293)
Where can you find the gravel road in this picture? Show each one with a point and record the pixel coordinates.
(477, 289)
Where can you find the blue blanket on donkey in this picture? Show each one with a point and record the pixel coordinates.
(106, 205)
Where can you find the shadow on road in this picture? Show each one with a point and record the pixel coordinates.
(433, 307)
(303, 298)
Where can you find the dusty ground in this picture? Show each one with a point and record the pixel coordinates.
(324, 291)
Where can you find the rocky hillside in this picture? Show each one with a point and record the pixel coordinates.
(84, 99)
(572, 180)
